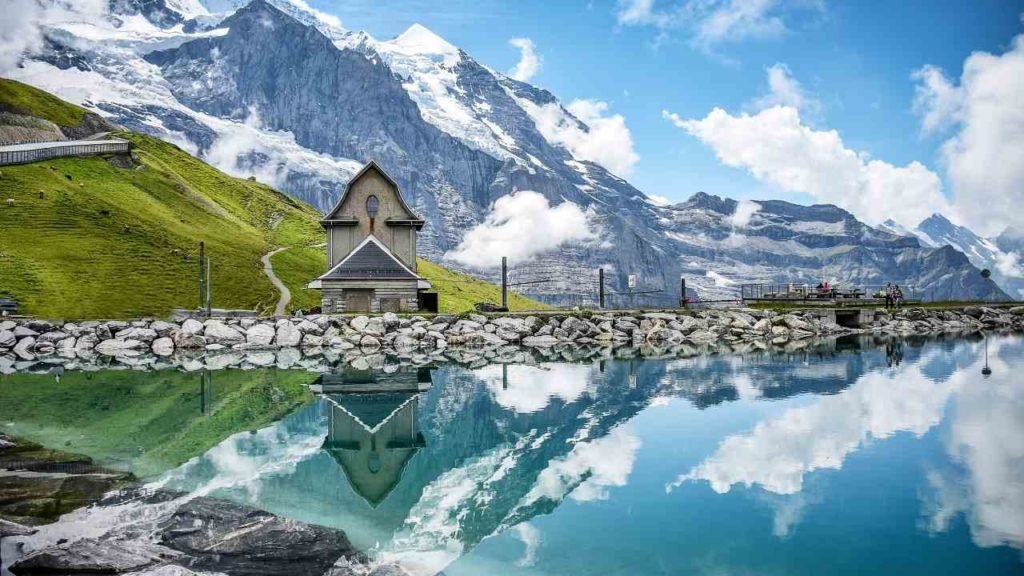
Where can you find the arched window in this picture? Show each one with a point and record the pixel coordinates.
(372, 206)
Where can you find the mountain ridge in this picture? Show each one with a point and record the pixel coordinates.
(458, 136)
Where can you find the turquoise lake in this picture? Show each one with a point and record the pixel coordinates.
(856, 456)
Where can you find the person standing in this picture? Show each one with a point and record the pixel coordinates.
(888, 295)
(897, 296)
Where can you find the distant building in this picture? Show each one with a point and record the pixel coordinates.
(371, 248)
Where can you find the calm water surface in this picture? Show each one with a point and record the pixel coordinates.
(854, 457)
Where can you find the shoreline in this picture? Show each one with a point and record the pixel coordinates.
(322, 342)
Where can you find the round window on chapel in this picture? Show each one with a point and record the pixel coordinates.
(372, 205)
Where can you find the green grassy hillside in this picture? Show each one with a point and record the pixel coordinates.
(146, 423)
(83, 238)
(25, 99)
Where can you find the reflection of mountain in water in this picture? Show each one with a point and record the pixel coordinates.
(483, 450)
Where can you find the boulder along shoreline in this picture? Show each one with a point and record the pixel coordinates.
(320, 342)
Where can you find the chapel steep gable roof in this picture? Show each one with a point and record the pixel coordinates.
(370, 260)
(335, 216)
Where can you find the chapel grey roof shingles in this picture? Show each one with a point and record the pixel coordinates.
(370, 261)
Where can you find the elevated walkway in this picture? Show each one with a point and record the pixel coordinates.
(39, 151)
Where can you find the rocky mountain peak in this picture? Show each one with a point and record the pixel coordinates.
(418, 39)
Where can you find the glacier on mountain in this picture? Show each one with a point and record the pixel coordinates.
(279, 92)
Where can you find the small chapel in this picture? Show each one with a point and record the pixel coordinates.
(371, 248)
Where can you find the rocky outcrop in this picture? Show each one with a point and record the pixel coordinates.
(306, 342)
(220, 536)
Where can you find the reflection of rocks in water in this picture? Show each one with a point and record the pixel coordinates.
(37, 485)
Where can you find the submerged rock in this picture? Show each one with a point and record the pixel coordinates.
(221, 536)
(94, 556)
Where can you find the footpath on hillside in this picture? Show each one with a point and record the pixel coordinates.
(286, 294)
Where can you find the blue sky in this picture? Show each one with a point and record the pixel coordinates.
(855, 58)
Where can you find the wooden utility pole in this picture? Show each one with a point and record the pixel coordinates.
(202, 274)
(600, 287)
(209, 299)
(504, 282)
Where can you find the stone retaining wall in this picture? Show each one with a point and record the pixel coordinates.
(223, 342)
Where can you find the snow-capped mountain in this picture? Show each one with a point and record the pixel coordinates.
(274, 90)
(1001, 256)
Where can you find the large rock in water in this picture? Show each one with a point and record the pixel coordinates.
(221, 536)
(92, 556)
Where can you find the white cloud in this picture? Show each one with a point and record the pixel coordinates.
(936, 99)
(1008, 264)
(785, 90)
(521, 226)
(745, 210)
(638, 12)
(605, 140)
(983, 158)
(328, 19)
(21, 27)
(713, 22)
(19, 32)
(529, 61)
(776, 147)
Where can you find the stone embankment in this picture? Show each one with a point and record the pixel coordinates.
(248, 342)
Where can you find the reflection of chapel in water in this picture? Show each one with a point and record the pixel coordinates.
(372, 425)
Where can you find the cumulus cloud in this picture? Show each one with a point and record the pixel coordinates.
(776, 147)
(785, 90)
(21, 28)
(983, 157)
(19, 32)
(713, 22)
(745, 210)
(521, 226)
(602, 139)
(936, 99)
(529, 61)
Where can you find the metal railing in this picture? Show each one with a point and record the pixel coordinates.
(794, 291)
(27, 153)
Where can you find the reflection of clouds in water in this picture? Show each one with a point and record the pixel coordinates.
(244, 460)
(589, 470)
(430, 537)
(531, 388)
(777, 453)
(986, 438)
(987, 441)
(530, 537)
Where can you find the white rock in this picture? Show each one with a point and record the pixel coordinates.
(359, 323)
(312, 341)
(307, 327)
(163, 328)
(163, 346)
(141, 334)
(192, 326)
(24, 348)
(218, 332)
(540, 341)
(7, 339)
(288, 335)
(260, 335)
(116, 347)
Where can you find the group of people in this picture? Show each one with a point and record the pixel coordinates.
(893, 296)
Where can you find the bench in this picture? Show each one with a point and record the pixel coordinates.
(8, 306)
